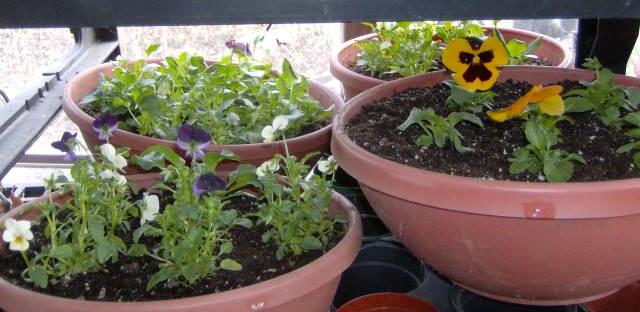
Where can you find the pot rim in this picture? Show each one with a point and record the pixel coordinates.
(491, 197)
(255, 294)
(84, 121)
(338, 68)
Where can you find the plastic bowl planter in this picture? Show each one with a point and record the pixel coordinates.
(528, 243)
(353, 83)
(309, 288)
(87, 81)
(390, 302)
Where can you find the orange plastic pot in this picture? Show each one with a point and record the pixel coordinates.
(87, 81)
(353, 83)
(309, 288)
(387, 302)
(528, 243)
(625, 300)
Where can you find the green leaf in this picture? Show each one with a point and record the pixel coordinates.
(149, 160)
(244, 222)
(243, 176)
(38, 274)
(633, 95)
(106, 250)
(415, 116)
(516, 47)
(228, 216)
(633, 118)
(211, 160)
(137, 250)
(152, 48)
(577, 105)
(96, 227)
(62, 252)
(266, 236)
(634, 133)
(226, 247)
(628, 147)
(533, 46)
(535, 134)
(311, 243)
(287, 75)
(160, 276)
(150, 105)
(424, 140)
(467, 117)
(636, 159)
(167, 153)
(230, 265)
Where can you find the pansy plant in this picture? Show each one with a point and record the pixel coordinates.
(232, 99)
(439, 130)
(518, 51)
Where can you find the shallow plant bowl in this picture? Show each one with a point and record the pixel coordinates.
(309, 288)
(354, 83)
(528, 243)
(87, 81)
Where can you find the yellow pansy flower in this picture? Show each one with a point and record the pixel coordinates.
(474, 61)
(547, 98)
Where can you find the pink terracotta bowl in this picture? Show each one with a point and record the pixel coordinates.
(354, 83)
(529, 243)
(87, 81)
(309, 288)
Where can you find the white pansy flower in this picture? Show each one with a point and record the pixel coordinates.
(17, 234)
(109, 152)
(150, 209)
(280, 123)
(109, 174)
(269, 166)
(268, 133)
(327, 166)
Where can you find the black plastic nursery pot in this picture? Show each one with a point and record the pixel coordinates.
(348, 187)
(373, 229)
(380, 267)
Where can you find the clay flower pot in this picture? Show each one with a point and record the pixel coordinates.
(528, 243)
(87, 81)
(353, 83)
(309, 288)
(391, 302)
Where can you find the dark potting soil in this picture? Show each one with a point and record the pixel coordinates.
(126, 279)
(374, 129)
(364, 69)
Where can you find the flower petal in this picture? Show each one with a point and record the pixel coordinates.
(280, 123)
(267, 134)
(545, 92)
(518, 107)
(499, 115)
(451, 55)
(499, 54)
(19, 244)
(108, 151)
(553, 105)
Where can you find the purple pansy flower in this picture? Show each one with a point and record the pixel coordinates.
(104, 125)
(240, 47)
(207, 182)
(67, 145)
(193, 140)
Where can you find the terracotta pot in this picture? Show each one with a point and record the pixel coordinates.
(309, 288)
(529, 243)
(626, 300)
(87, 81)
(387, 302)
(354, 83)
